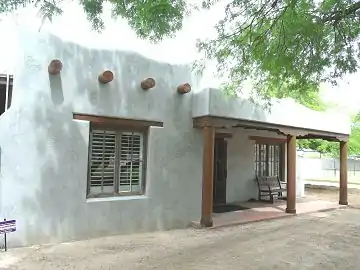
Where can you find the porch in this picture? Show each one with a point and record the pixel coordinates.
(254, 211)
(211, 125)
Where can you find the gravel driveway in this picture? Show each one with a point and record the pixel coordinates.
(327, 240)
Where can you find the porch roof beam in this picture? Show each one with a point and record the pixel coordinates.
(300, 133)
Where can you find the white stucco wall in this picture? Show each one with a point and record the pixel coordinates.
(44, 152)
(240, 182)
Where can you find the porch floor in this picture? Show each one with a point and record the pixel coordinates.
(259, 211)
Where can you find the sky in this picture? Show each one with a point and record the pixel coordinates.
(73, 26)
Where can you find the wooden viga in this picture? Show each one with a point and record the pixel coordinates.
(184, 88)
(106, 77)
(148, 83)
(55, 67)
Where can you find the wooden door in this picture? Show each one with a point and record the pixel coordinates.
(220, 171)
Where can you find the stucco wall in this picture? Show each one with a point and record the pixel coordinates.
(44, 152)
(241, 185)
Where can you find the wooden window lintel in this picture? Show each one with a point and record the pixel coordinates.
(116, 121)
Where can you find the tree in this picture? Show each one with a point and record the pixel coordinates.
(288, 45)
(284, 47)
(312, 100)
(332, 148)
(151, 19)
(324, 147)
(354, 141)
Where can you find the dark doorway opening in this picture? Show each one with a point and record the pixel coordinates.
(228, 208)
(220, 172)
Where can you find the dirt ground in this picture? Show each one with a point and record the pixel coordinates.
(325, 240)
(332, 194)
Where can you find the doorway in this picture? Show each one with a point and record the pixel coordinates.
(220, 172)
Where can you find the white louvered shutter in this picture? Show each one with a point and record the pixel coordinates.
(102, 162)
(131, 162)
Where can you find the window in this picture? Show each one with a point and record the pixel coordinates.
(6, 88)
(116, 162)
(268, 160)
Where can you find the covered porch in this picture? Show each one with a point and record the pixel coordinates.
(213, 126)
(260, 211)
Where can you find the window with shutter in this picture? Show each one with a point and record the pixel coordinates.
(267, 160)
(102, 161)
(116, 162)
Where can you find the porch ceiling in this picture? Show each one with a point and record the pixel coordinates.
(300, 133)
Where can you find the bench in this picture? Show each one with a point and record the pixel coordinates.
(270, 188)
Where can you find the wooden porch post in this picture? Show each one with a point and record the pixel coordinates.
(207, 181)
(291, 175)
(343, 193)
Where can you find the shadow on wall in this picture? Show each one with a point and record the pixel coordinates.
(169, 208)
(102, 97)
(225, 105)
(57, 93)
(59, 203)
(57, 140)
(120, 96)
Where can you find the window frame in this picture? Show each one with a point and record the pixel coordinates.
(118, 131)
(259, 163)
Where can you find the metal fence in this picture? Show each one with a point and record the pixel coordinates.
(333, 164)
(313, 166)
(2, 242)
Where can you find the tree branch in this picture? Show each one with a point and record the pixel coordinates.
(338, 15)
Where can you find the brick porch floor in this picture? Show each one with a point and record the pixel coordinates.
(260, 211)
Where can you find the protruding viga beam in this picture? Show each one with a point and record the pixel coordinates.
(106, 77)
(148, 83)
(184, 88)
(55, 67)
